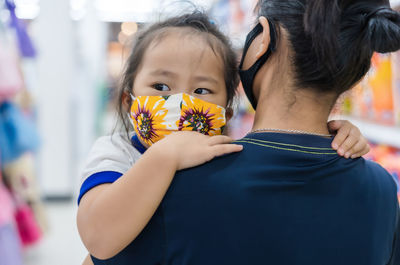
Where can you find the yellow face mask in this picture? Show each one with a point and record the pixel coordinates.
(154, 117)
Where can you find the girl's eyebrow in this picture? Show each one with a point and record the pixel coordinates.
(162, 72)
(205, 79)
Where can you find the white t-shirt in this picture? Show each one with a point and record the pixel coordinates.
(109, 158)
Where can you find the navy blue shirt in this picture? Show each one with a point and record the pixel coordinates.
(284, 200)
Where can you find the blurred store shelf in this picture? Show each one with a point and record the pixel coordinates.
(61, 245)
(377, 133)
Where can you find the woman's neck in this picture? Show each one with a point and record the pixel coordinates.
(301, 110)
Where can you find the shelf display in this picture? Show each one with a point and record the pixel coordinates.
(22, 218)
(389, 158)
(374, 104)
(396, 87)
(373, 99)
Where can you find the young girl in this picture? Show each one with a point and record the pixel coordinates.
(181, 76)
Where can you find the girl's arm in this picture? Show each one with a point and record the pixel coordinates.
(110, 216)
(349, 142)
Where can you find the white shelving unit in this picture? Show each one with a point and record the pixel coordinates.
(377, 133)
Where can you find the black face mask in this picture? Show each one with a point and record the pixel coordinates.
(247, 76)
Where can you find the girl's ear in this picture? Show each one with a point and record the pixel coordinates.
(126, 101)
(228, 114)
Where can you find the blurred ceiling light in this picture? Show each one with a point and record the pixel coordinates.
(395, 3)
(124, 10)
(129, 28)
(122, 38)
(27, 9)
(141, 10)
(78, 9)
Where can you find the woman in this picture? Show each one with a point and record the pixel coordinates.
(287, 198)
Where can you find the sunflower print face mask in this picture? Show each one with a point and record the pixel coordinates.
(154, 117)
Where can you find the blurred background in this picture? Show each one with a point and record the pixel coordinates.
(60, 63)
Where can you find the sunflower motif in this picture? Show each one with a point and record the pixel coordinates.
(201, 116)
(148, 114)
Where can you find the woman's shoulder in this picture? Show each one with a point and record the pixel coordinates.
(376, 169)
(379, 178)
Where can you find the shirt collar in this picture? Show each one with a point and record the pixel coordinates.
(137, 144)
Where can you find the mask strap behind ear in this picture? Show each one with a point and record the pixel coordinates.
(250, 38)
(258, 29)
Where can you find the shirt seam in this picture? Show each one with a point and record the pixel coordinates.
(291, 145)
(286, 149)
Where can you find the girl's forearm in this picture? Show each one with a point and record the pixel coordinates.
(111, 216)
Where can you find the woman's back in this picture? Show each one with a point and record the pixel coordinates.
(288, 198)
(285, 199)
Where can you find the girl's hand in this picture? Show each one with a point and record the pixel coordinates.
(349, 142)
(189, 149)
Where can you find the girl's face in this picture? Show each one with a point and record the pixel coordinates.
(181, 63)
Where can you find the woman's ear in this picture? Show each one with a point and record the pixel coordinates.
(265, 37)
(228, 114)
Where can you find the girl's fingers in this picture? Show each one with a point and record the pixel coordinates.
(359, 154)
(352, 139)
(219, 139)
(340, 137)
(335, 125)
(223, 149)
(364, 150)
(356, 149)
(346, 146)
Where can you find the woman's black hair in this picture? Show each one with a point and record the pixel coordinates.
(197, 23)
(333, 40)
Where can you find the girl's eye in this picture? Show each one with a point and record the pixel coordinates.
(202, 91)
(161, 87)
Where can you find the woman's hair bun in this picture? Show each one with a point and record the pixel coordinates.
(383, 29)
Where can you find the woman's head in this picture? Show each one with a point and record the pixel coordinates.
(185, 54)
(330, 42)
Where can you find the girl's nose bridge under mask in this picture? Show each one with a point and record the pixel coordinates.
(154, 117)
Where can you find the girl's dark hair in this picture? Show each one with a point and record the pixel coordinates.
(196, 23)
(333, 40)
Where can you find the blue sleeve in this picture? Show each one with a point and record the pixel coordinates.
(98, 179)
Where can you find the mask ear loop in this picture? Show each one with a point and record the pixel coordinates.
(133, 98)
(271, 49)
(258, 29)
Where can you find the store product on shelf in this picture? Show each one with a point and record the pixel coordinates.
(20, 206)
(10, 250)
(28, 228)
(10, 246)
(396, 87)
(372, 99)
(25, 44)
(21, 179)
(376, 98)
(6, 205)
(18, 133)
(10, 76)
(389, 158)
(380, 81)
